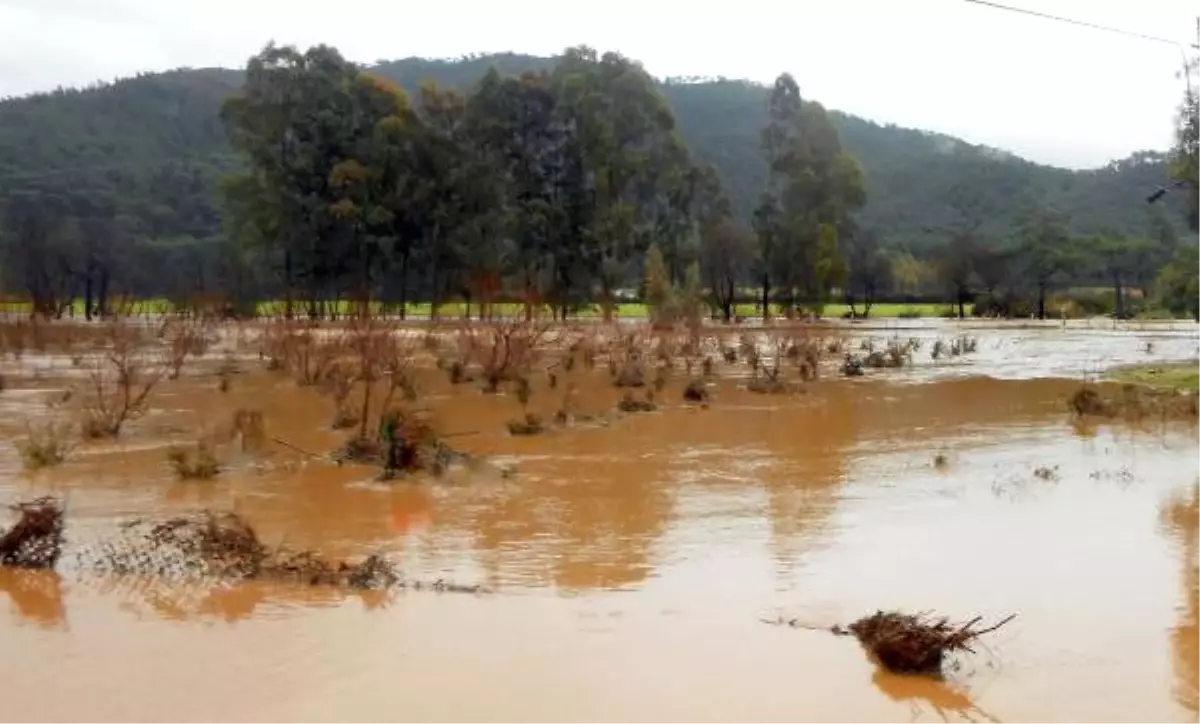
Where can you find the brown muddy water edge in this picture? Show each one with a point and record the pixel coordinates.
(631, 557)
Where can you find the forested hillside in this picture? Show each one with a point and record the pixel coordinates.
(159, 137)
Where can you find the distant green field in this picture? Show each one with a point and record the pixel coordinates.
(638, 309)
(453, 310)
(1182, 377)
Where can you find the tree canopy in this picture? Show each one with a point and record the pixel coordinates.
(546, 179)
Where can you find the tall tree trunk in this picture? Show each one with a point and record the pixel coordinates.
(102, 307)
(1041, 301)
(435, 274)
(766, 297)
(528, 295)
(606, 298)
(364, 285)
(404, 286)
(366, 408)
(288, 310)
(87, 291)
(435, 297)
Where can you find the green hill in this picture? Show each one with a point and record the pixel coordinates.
(157, 138)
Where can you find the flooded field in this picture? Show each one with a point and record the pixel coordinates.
(631, 562)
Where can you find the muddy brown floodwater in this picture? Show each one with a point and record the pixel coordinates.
(632, 564)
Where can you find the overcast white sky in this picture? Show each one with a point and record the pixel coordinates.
(1051, 92)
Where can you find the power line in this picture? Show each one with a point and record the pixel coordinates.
(1182, 47)
(1045, 16)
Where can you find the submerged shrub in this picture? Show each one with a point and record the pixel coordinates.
(696, 391)
(196, 463)
(45, 445)
(629, 403)
(531, 424)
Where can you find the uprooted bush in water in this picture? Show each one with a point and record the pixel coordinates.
(45, 445)
(530, 424)
(910, 643)
(696, 391)
(629, 403)
(407, 442)
(197, 462)
(36, 539)
(914, 643)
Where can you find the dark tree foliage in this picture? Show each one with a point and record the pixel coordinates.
(308, 179)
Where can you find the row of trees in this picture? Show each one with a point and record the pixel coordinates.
(1018, 278)
(555, 186)
(548, 185)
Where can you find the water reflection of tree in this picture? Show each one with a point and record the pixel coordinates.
(178, 600)
(812, 440)
(808, 445)
(922, 692)
(579, 524)
(36, 596)
(1182, 518)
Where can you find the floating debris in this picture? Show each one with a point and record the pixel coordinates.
(914, 643)
(36, 539)
(696, 391)
(210, 545)
(629, 403)
(907, 643)
(531, 424)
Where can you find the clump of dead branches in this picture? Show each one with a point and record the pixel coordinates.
(696, 391)
(225, 546)
(627, 360)
(45, 445)
(408, 442)
(196, 462)
(530, 424)
(184, 337)
(630, 403)
(915, 643)
(504, 351)
(300, 349)
(121, 379)
(36, 539)
(248, 428)
(909, 643)
(954, 348)
(805, 353)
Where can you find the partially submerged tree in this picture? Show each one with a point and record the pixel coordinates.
(1044, 253)
(813, 189)
(868, 273)
(727, 252)
(957, 265)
